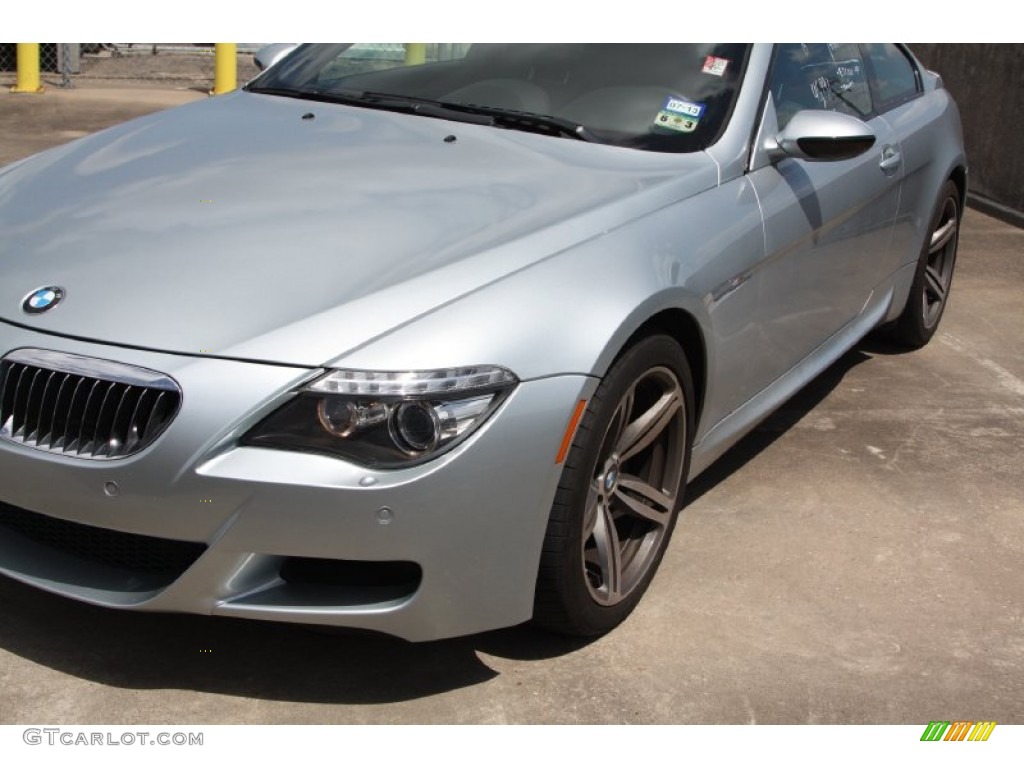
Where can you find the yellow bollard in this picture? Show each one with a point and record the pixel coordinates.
(28, 69)
(225, 68)
(415, 53)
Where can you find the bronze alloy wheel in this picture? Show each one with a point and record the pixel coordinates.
(620, 492)
(929, 292)
(637, 482)
(939, 260)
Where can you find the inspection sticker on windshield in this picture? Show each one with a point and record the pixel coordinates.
(713, 65)
(679, 115)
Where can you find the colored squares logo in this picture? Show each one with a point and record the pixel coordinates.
(958, 730)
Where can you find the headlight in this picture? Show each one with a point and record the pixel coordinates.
(385, 418)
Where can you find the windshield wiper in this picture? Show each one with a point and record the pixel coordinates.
(466, 113)
(384, 101)
(501, 117)
(296, 93)
(526, 121)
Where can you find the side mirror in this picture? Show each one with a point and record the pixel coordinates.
(818, 135)
(269, 55)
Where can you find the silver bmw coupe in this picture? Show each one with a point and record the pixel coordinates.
(428, 339)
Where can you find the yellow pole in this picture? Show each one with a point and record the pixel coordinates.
(28, 69)
(415, 53)
(225, 67)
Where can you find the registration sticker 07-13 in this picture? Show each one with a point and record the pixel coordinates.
(679, 115)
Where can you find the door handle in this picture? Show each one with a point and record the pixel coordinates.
(891, 159)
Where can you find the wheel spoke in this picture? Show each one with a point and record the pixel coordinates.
(934, 284)
(621, 418)
(590, 509)
(646, 428)
(609, 552)
(942, 236)
(657, 510)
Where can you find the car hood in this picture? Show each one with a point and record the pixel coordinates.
(267, 228)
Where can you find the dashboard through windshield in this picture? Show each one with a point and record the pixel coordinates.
(654, 97)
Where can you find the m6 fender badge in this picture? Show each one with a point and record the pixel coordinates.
(42, 299)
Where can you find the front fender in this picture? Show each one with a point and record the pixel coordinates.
(573, 313)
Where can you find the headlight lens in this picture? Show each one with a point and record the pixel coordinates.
(385, 418)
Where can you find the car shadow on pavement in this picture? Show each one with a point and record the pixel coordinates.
(782, 420)
(252, 659)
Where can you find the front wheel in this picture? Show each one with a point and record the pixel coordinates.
(934, 276)
(620, 492)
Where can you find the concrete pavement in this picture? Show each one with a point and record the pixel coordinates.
(857, 559)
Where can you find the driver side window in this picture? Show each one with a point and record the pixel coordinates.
(819, 76)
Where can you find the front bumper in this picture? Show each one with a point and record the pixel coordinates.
(473, 520)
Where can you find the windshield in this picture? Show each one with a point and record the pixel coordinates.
(661, 98)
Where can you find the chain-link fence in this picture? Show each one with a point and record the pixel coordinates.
(58, 62)
(62, 65)
(187, 64)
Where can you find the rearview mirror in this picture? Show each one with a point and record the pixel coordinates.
(818, 135)
(269, 55)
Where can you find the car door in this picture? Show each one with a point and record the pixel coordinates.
(828, 224)
(897, 91)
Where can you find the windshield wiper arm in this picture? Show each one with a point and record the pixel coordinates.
(382, 101)
(358, 98)
(526, 121)
(477, 114)
(296, 93)
(499, 116)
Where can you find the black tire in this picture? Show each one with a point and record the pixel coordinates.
(929, 292)
(630, 479)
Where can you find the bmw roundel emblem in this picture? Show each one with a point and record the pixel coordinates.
(42, 299)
